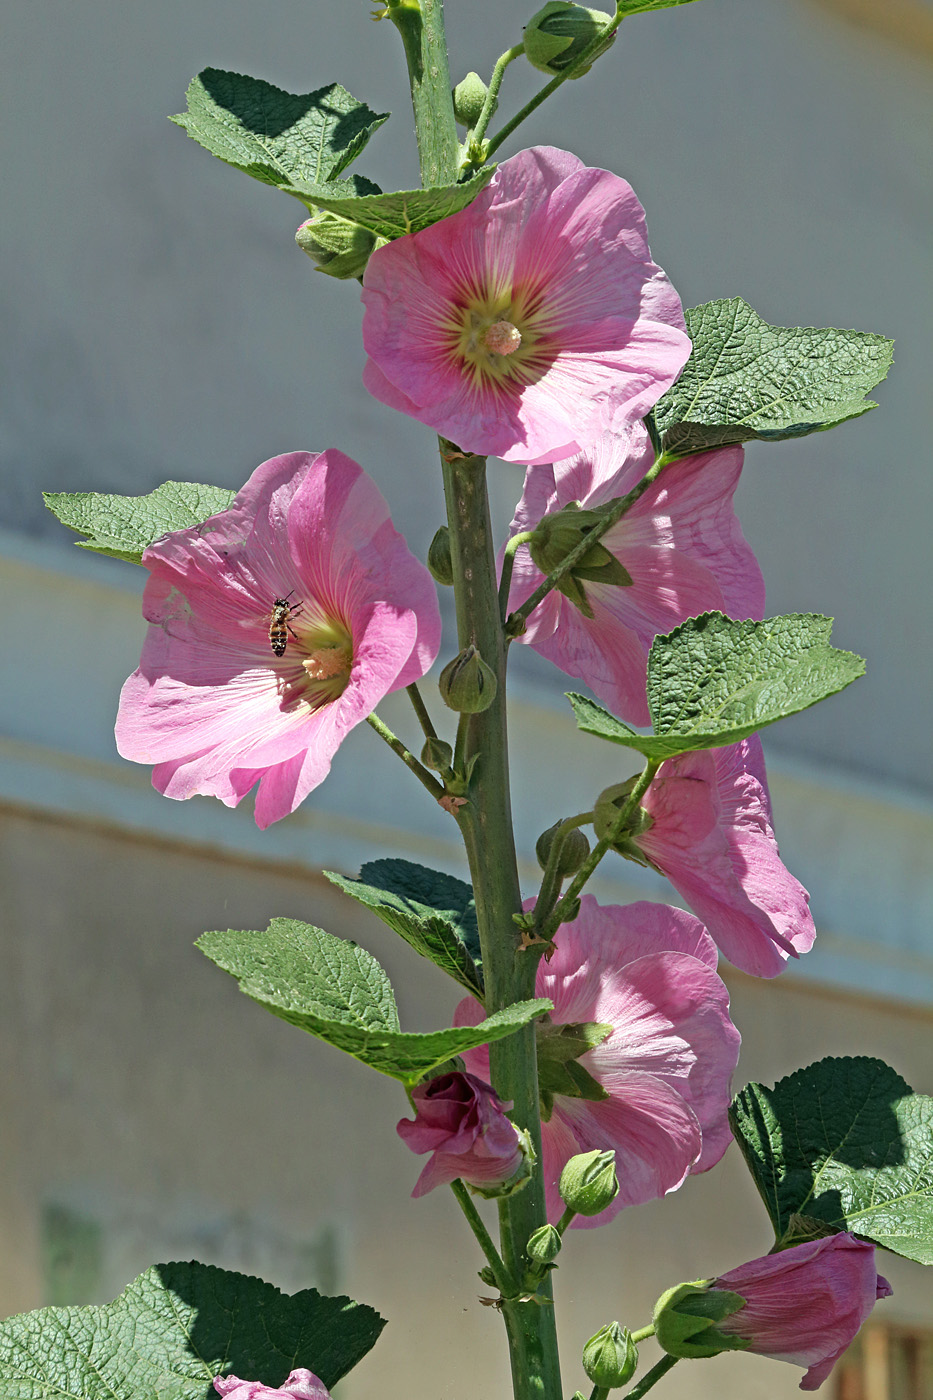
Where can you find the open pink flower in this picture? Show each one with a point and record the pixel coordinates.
(530, 322)
(680, 544)
(711, 835)
(300, 1385)
(805, 1304)
(461, 1121)
(649, 972)
(274, 628)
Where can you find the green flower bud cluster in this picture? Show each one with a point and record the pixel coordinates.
(553, 539)
(469, 97)
(336, 245)
(606, 812)
(573, 850)
(588, 1183)
(467, 684)
(557, 35)
(685, 1319)
(610, 1357)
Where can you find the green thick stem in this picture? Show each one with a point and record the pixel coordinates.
(421, 25)
(486, 825)
(486, 819)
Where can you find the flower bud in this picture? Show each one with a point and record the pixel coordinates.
(606, 812)
(543, 1245)
(461, 1121)
(685, 1319)
(588, 1183)
(574, 849)
(556, 535)
(469, 96)
(338, 246)
(610, 1357)
(439, 561)
(557, 35)
(437, 754)
(467, 684)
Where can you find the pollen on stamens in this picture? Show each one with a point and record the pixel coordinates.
(326, 663)
(502, 338)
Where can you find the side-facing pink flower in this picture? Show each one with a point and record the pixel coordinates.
(646, 974)
(300, 1385)
(274, 628)
(711, 835)
(805, 1304)
(530, 322)
(680, 544)
(461, 1121)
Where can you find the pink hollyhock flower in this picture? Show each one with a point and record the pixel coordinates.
(274, 628)
(461, 1121)
(300, 1385)
(711, 835)
(680, 544)
(646, 972)
(805, 1304)
(530, 322)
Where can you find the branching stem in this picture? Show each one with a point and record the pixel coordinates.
(505, 1283)
(395, 744)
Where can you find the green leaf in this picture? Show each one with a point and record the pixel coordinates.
(289, 140)
(338, 992)
(713, 681)
(845, 1142)
(746, 379)
(404, 211)
(175, 1328)
(432, 911)
(123, 526)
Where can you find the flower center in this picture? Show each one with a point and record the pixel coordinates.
(324, 649)
(493, 337)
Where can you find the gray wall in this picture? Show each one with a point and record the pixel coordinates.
(159, 321)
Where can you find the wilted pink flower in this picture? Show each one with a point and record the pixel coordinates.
(805, 1304)
(300, 1385)
(649, 972)
(275, 627)
(711, 835)
(530, 322)
(461, 1121)
(680, 543)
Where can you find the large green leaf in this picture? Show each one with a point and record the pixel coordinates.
(403, 211)
(746, 379)
(713, 681)
(123, 526)
(845, 1142)
(175, 1328)
(338, 992)
(433, 912)
(290, 140)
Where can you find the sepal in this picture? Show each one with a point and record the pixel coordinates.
(685, 1319)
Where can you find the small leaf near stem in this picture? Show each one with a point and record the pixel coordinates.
(515, 622)
(421, 773)
(584, 60)
(565, 910)
(505, 1283)
(651, 1378)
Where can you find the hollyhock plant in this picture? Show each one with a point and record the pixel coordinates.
(680, 546)
(461, 1121)
(300, 1384)
(803, 1305)
(710, 833)
(530, 322)
(655, 1082)
(274, 628)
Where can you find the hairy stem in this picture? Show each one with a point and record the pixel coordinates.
(504, 1281)
(408, 758)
